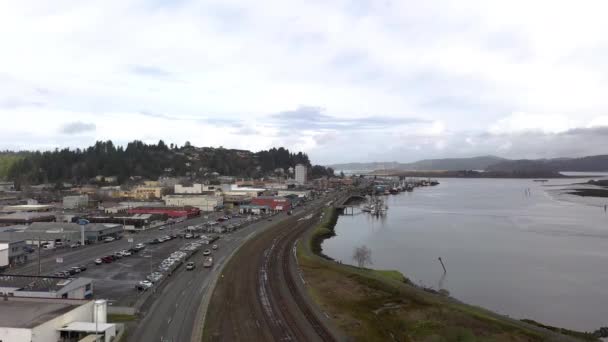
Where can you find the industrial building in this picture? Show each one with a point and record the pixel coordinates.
(172, 212)
(45, 287)
(306, 194)
(12, 252)
(26, 218)
(28, 208)
(66, 233)
(76, 202)
(301, 174)
(275, 203)
(52, 320)
(203, 202)
(131, 222)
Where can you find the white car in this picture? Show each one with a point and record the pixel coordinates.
(146, 284)
(109, 239)
(125, 253)
(214, 247)
(207, 252)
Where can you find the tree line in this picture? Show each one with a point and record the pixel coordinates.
(149, 161)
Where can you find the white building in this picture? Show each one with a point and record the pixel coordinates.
(300, 193)
(75, 202)
(194, 189)
(203, 202)
(51, 320)
(301, 174)
(41, 287)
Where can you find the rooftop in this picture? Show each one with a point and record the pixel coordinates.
(25, 314)
(39, 283)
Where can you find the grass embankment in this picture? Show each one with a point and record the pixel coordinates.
(375, 305)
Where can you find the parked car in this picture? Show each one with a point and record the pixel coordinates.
(76, 269)
(72, 271)
(214, 247)
(125, 253)
(207, 252)
(188, 236)
(139, 246)
(161, 228)
(109, 239)
(144, 285)
(98, 261)
(190, 266)
(28, 249)
(75, 245)
(82, 268)
(107, 259)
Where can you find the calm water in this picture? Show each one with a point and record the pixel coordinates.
(543, 257)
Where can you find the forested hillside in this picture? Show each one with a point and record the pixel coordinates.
(146, 160)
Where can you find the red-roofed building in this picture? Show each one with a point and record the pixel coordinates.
(275, 203)
(169, 211)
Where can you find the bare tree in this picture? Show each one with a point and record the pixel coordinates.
(363, 256)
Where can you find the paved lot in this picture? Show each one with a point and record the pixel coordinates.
(116, 281)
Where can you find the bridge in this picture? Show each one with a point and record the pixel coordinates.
(343, 203)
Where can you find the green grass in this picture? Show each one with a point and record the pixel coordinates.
(383, 305)
(118, 318)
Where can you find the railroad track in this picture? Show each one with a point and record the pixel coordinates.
(258, 298)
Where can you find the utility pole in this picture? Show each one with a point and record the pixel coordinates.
(39, 265)
(442, 265)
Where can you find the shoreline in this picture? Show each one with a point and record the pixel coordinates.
(326, 230)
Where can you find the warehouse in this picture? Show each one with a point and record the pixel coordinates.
(202, 202)
(275, 203)
(12, 251)
(26, 218)
(45, 287)
(67, 233)
(52, 320)
(172, 212)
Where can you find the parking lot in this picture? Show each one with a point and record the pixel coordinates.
(117, 280)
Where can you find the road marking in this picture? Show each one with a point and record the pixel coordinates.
(169, 320)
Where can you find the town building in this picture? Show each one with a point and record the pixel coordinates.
(182, 189)
(306, 194)
(76, 202)
(12, 252)
(26, 218)
(31, 286)
(53, 233)
(28, 208)
(146, 192)
(301, 174)
(133, 222)
(209, 202)
(53, 320)
(172, 212)
(275, 203)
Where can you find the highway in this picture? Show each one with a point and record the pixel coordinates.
(258, 299)
(175, 311)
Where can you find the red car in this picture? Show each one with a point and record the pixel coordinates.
(107, 259)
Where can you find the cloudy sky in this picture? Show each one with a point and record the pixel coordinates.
(342, 80)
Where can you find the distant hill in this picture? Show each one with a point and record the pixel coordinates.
(149, 161)
(585, 164)
(447, 164)
(453, 164)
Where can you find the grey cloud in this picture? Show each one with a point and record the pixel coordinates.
(77, 127)
(314, 118)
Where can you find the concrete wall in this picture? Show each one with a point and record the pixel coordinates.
(15, 335)
(121, 310)
(48, 331)
(4, 250)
